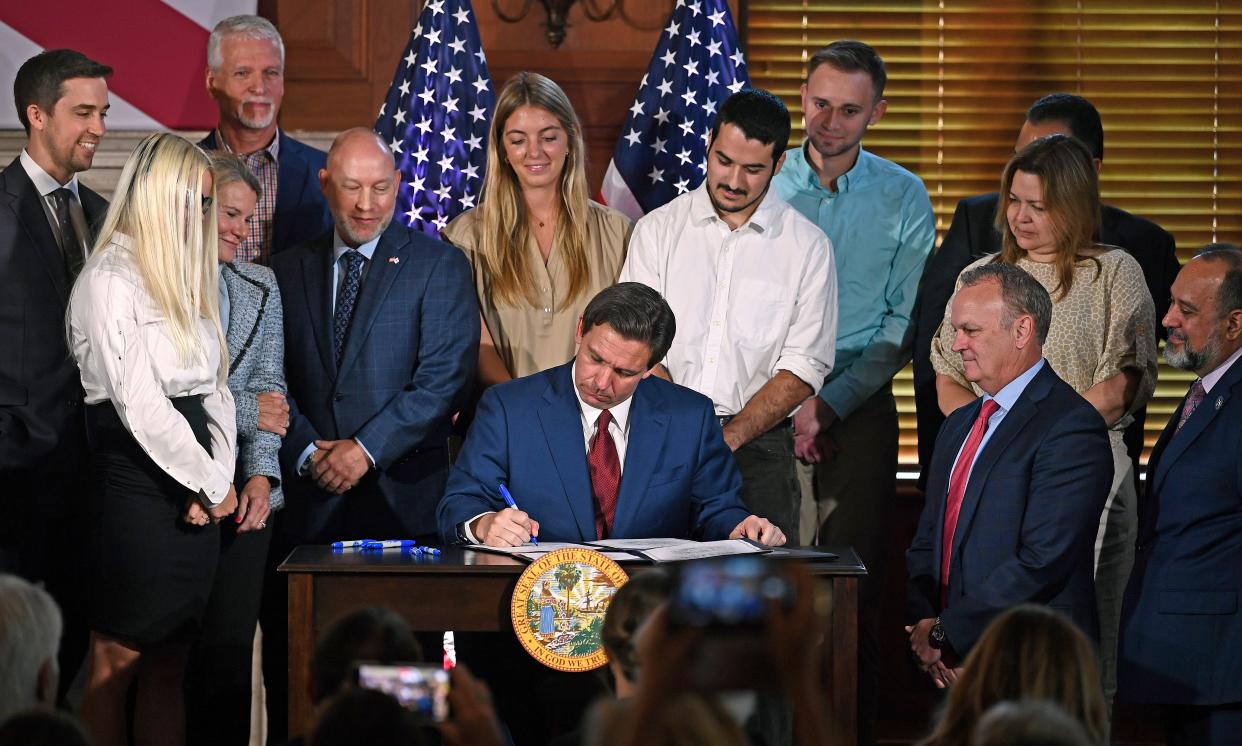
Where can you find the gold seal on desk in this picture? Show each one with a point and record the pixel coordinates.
(558, 607)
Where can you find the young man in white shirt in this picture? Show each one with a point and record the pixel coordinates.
(753, 287)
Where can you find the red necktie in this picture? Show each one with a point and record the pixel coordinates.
(957, 488)
(605, 469)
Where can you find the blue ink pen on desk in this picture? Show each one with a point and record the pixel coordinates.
(504, 492)
(354, 544)
(389, 544)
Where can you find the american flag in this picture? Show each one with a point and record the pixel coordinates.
(662, 151)
(436, 115)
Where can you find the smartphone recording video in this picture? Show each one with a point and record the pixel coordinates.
(420, 688)
(732, 592)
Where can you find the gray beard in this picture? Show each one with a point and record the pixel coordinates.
(1188, 359)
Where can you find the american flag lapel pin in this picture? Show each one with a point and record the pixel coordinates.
(393, 260)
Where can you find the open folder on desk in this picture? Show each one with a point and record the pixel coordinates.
(637, 550)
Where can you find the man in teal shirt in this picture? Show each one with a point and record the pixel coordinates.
(880, 222)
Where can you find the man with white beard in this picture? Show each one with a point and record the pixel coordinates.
(246, 77)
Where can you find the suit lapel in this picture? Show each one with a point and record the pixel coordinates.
(317, 275)
(387, 262)
(561, 421)
(1013, 423)
(1179, 440)
(291, 180)
(246, 301)
(648, 430)
(31, 215)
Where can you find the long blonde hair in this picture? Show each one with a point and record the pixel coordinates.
(157, 205)
(1028, 652)
(504, 226)
(1071, 197)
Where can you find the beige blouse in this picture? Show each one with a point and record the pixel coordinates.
(530, 338)
(1104, 325)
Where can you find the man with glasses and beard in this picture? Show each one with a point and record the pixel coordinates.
(753, 287)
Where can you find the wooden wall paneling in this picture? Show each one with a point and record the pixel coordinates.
(340, 58)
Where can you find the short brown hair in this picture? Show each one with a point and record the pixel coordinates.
(852, 56)
(41, 79)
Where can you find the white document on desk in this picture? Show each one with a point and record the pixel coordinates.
(628, 545)
(701, 550)
(529, 551)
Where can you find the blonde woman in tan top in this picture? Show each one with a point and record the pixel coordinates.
(1102, 340)
(539, 248)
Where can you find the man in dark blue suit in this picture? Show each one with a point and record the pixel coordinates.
(246, 77)
(381, 339)
(1016, 485)
(47, 225)
(598, 448)
(1181, 625)
(381, 342)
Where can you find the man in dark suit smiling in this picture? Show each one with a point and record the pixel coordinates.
(47, 225)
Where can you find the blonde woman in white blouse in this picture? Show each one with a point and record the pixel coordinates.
(144, 326)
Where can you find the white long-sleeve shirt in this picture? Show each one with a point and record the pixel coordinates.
(748, 302)
(121, 343)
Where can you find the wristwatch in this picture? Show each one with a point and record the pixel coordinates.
(935, 637)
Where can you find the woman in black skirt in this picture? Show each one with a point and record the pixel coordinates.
(144, 326)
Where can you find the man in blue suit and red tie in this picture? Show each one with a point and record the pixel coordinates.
(1181, 626)
(1016, 483)
(597, 447)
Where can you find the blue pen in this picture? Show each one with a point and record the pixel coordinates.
(504, 492)
(350, 544)
(389, 544)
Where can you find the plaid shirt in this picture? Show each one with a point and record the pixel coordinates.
(263, 164)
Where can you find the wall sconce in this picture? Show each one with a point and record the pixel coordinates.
(556, 11)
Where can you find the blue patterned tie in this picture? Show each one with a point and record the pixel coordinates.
(346, 299)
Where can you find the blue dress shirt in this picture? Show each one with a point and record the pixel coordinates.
(882, 229)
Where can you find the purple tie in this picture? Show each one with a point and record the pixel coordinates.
(1193, 398)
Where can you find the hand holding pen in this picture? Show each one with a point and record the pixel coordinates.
(509, 528)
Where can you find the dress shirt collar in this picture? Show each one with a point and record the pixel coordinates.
(273, 149)
(1008, 396)
(702, 210)
(339, 247)
(620, 412)
(43, 181)
(852, 179)
(1219, 371)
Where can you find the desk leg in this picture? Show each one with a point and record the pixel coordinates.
(301, 644)
(844, 642)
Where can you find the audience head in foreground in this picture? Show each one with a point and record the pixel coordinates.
(42, 726)
(1030, 722)
(30, 627)
(630, 607)
(1029, 652)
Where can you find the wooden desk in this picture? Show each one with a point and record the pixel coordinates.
(470, 591)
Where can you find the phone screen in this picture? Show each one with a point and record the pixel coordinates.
(421, 688)
(733, 592)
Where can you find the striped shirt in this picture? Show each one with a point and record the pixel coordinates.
(257, 246)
